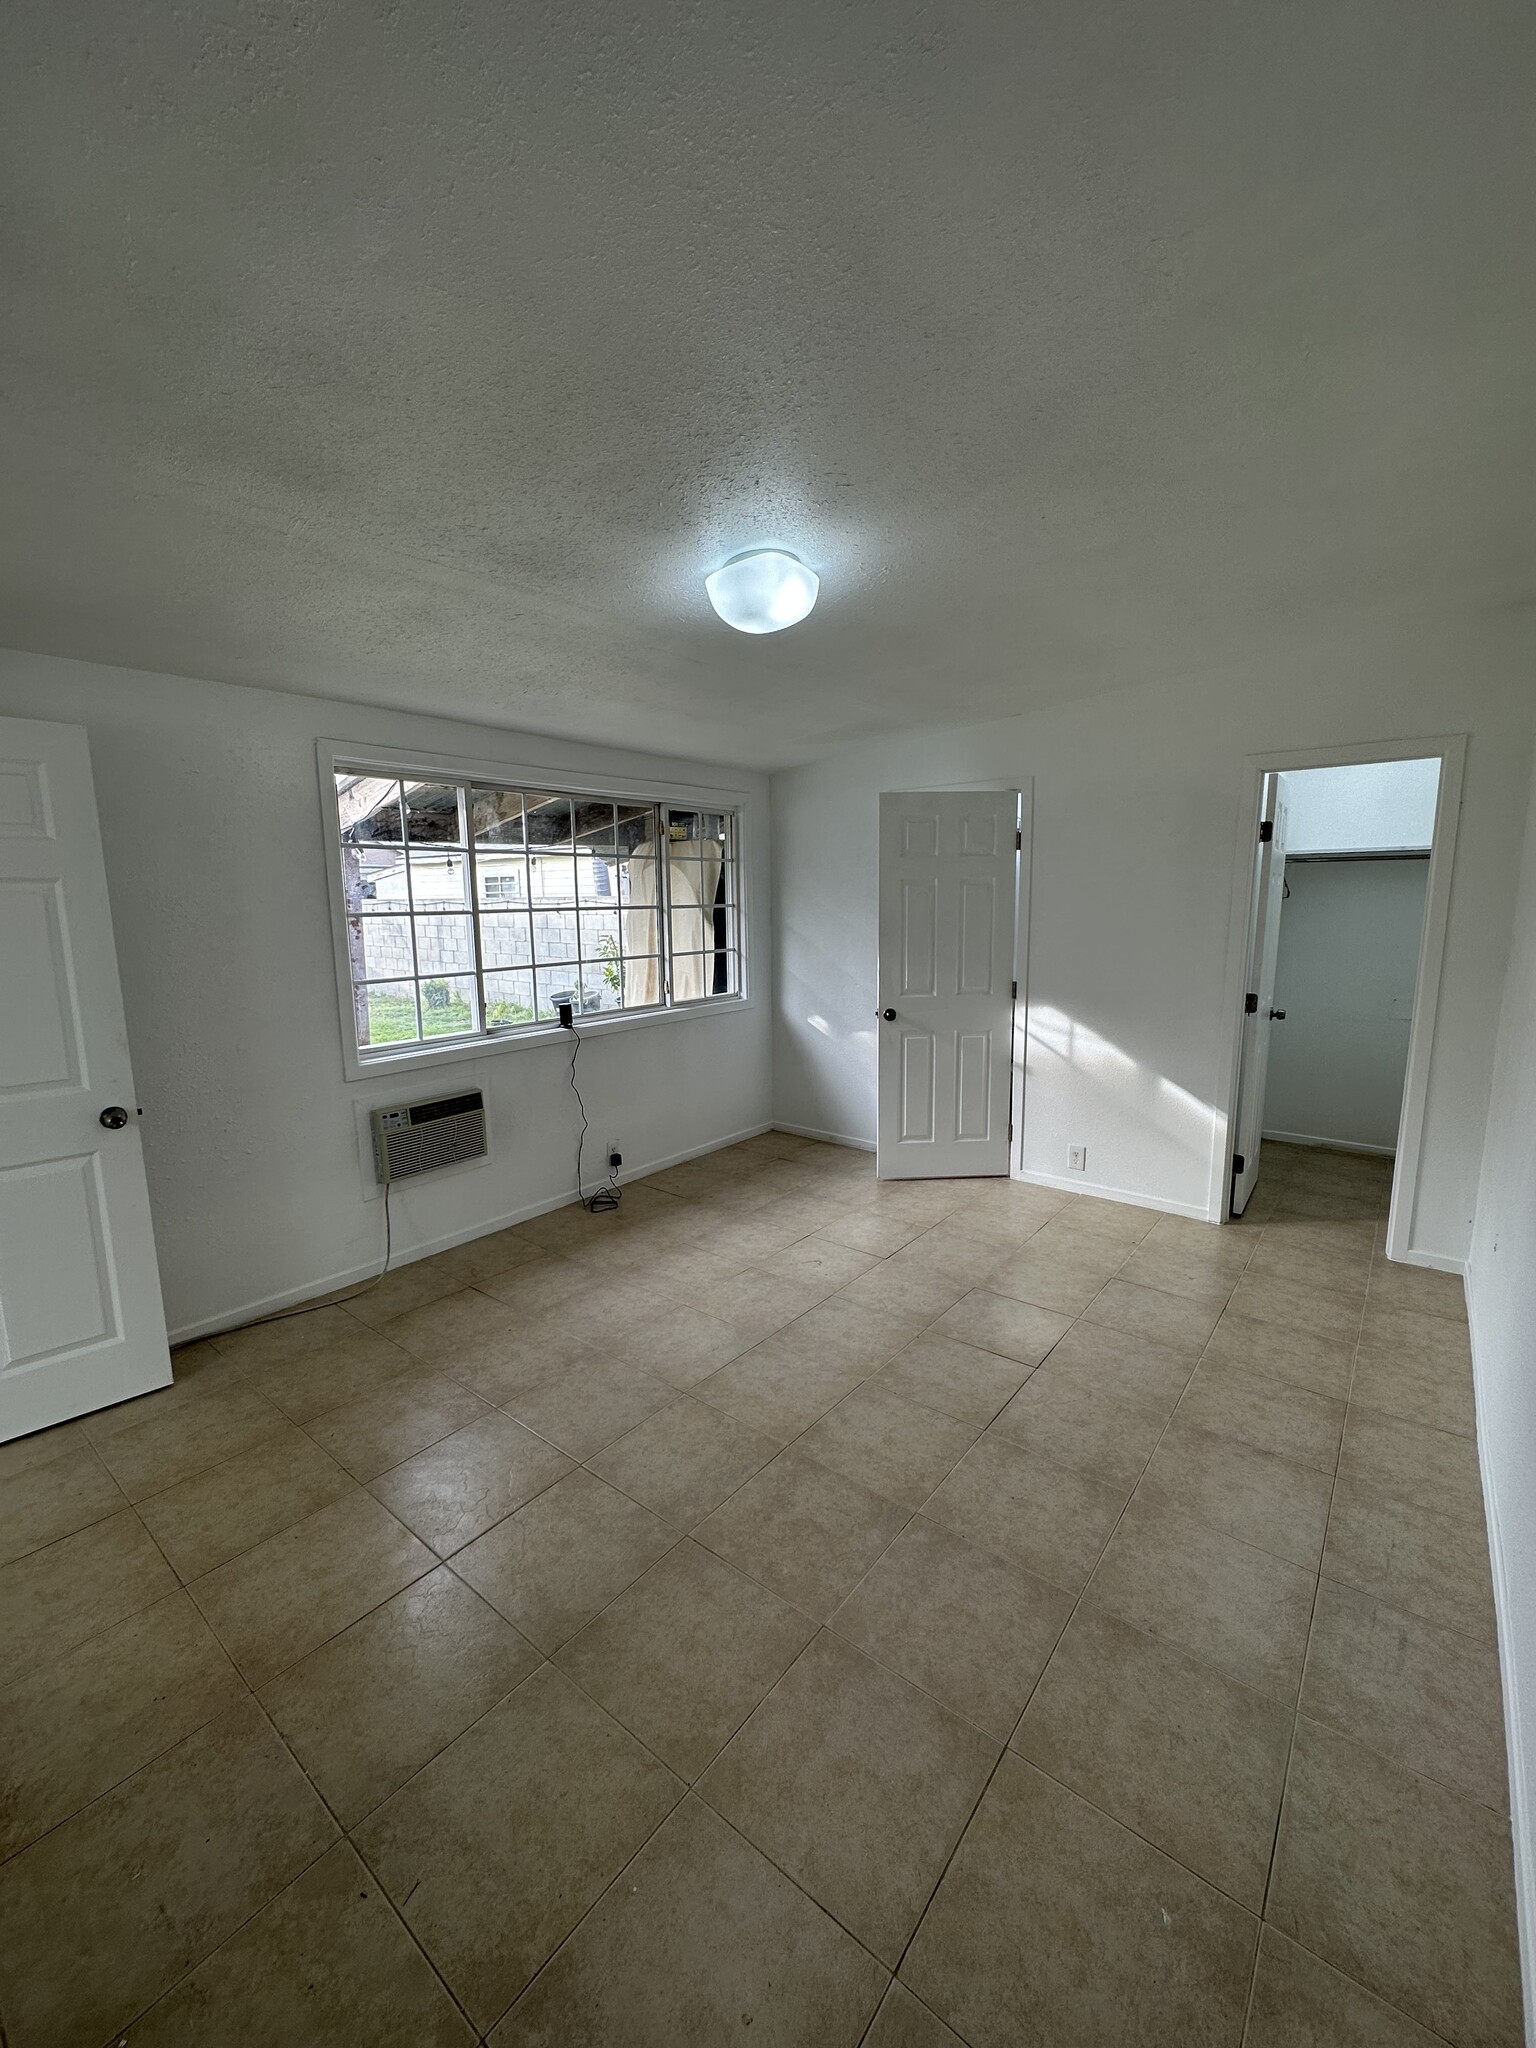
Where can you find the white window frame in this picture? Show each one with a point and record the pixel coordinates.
(335, 757)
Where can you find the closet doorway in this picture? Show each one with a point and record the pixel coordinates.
(1346, 899)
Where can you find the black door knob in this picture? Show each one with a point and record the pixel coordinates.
(115, 1118)
(889, 1016)
(1278, 1015)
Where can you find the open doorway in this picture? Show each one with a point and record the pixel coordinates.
(1346, 915)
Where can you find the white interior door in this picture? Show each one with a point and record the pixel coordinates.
(949, 869)
(1263, 944)
(81, 1322)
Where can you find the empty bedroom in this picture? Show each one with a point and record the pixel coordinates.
(767, 1026)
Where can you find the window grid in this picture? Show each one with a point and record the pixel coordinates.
(581, 957)
(410, 910)
(712, 949)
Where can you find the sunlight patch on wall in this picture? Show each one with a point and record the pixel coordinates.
(1151, 1097)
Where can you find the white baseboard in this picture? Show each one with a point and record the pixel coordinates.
(1521, 1813)
(1329, 1144)
(253, 1311)
(1075, 1184)
(827, 1137)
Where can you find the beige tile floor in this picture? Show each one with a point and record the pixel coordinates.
(902, 1614)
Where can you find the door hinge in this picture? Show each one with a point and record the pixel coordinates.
(1018, 840)
(1238, 1163)
(1251, 1004)
(1266, 831)
(1015, 991)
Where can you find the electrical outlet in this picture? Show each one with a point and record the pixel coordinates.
(1077, 1158)
(615, 1157)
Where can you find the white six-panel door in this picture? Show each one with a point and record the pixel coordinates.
(948, 901)
(81, 1322)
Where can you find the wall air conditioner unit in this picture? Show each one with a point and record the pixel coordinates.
(418, 1137)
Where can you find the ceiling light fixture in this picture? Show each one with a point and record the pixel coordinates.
(763, 591)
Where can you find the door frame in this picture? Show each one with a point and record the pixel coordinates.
(1020, 1061)
(1025, 785)
(1450, 750)
(1263, 953)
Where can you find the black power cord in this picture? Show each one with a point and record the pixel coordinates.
(607, 1197)
(308, 1308)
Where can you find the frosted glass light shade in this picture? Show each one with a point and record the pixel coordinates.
(763, 592)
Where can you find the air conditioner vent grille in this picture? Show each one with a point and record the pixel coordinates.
(419, 1137)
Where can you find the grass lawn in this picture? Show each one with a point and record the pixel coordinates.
(392, 1018)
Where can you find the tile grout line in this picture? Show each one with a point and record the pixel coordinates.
(1029, 1374)
(94, 1522)
(343, 1836)
(818, 1623)
(1297, 1714)
(95, 1635)
(250, 1693)
(118, 1782)
(186, 1585)
(819, 1626)
(823, 1625)
(877, 1369)
(257, 1543)
(1007, 1561)
(689, 1789)
(1008, 1249)
(1007, 1748)
(690, 1534)
(687, 1534)
(1290, 1758)
(1295, 1710)
(690, 1793)
(327, 1640)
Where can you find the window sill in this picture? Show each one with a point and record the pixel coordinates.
(365, 1066)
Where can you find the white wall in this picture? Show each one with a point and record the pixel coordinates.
(1349, 953)
(1140, 801)
(216, 865)
(1501, 1297)
(1367, 806)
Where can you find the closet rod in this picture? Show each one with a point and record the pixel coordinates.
(1401, 853)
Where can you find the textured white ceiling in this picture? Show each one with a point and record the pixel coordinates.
(429, 354)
